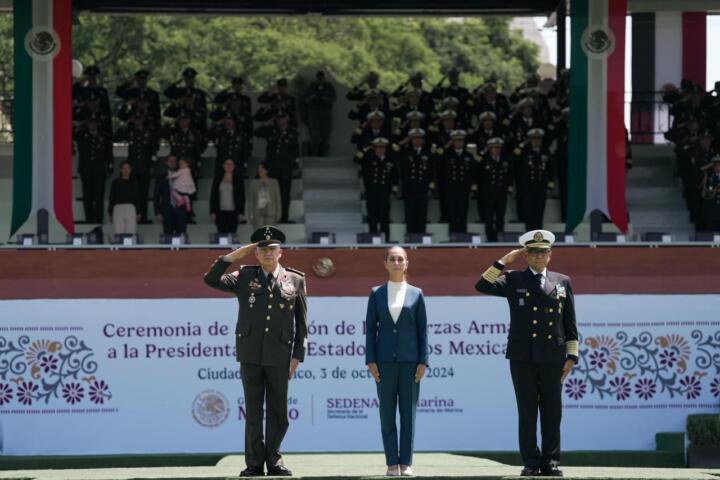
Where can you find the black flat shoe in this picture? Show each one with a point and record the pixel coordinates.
(551, 471)
(278, 471)
(530, 472)
(252, 472)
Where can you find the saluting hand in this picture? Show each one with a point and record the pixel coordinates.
(374, 371)
(240, 252)
(420, 372)
(512, 256)
(567, 369)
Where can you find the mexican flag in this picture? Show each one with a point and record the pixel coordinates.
(596, 170)
(42, 126)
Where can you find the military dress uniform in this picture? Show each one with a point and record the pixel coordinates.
(364, 135)
(143, 144)
(535, 175)
(281, 153)
(417, 174)
(494, 181)
(319, 101)
(186, 143)
(543, 335)
(379, 175)
(95, 159)
(271, 329)
(710, 193)
(457, 176)
(693, 169)
(234, 94)
(230, 143)
(199, 97)
(137, 89)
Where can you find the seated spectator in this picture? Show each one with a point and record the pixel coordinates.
(263, 201)
(124, 197)
(227, 198)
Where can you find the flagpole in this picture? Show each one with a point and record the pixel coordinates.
(43, 226)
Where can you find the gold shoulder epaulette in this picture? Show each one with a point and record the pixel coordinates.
(396, 147)
(358, 131)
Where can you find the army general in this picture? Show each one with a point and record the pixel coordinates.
(271, 337)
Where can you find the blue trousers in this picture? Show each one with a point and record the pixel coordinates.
(398, 390)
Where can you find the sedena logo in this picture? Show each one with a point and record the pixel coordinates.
(210, 408)
(598, 41)
(42, 43)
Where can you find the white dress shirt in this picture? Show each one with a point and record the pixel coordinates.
(396, 298)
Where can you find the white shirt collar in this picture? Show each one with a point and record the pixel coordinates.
(275, 272)
(544, 272)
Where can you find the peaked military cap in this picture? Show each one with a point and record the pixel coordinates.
(487, 115)
(536, 132)
(142, 73)
(458, 134)
(537, 239)
(525, 102)
(448, 114)
(375, 115)
(238, 81)
(268, 236)
(282, 82)
(92, 70)
(416, 132)
(380, 142)
(414, 115)
(495, 142)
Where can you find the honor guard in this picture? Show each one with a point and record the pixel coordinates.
(494, 182)
(135, 88)
(457, 166)
(535, 176)
(379, 173)
(542, 345)
(375, 127)
(236, 92)
(417, 173)
(279, 99)
(190, 97)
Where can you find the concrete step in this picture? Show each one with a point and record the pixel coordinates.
(649, 194)
(330, 173)
(332, 218)
(330, 195)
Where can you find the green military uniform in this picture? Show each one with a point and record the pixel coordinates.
(271, 329)
(543, 334)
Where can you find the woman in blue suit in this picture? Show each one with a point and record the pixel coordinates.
(396, 355)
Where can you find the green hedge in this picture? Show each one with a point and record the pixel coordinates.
(703, 430)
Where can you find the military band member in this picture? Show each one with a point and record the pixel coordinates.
(542, 345)
(271, 339)
(379, 173)
(494, 183)
(417, 173)
(535, 176)
(95, 161)
(457, 175)
(281, 154)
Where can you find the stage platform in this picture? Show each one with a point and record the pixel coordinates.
(361, 465)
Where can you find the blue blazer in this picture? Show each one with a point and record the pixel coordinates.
(404, 341)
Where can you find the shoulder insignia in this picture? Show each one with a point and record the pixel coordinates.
(396, 147)
(290, 269)
(359, 155)
(358, 131)
(517, 151)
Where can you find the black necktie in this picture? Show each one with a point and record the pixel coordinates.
(538, 279)
(270, 281)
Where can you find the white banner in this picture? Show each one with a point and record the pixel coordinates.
(150, 376)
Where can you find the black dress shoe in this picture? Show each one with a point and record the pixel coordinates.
(551, 471)
(252, 472)
(278, 471)
(530, 472)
